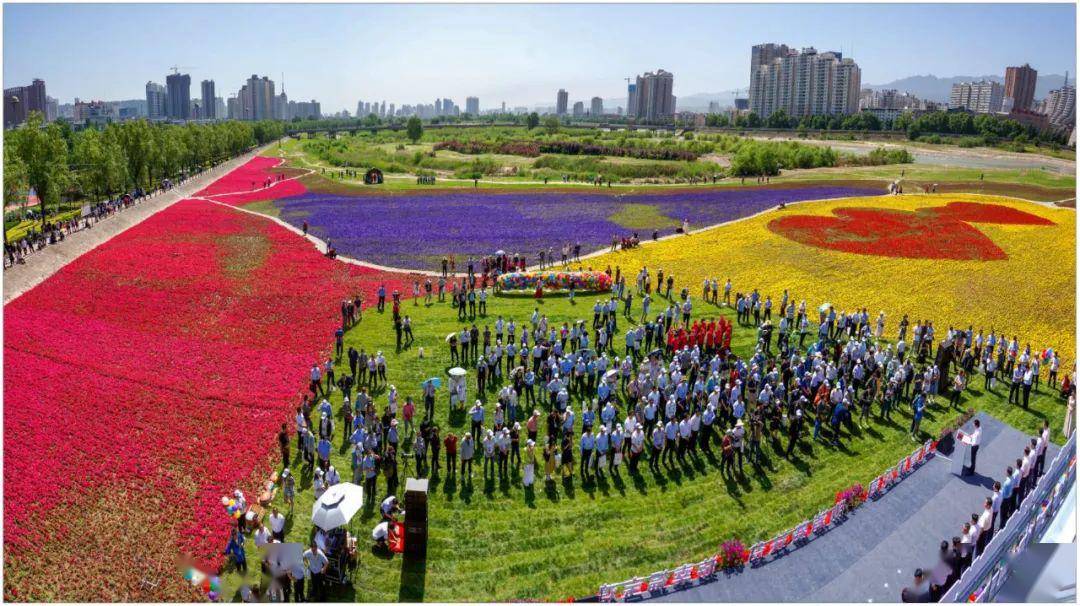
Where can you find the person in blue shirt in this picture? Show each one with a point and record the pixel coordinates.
(918, 405)
(235, 548)
(324, 453)
(1008, 496)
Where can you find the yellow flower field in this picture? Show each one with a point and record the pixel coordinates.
(1029, 290)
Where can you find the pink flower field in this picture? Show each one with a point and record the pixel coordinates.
(147, 379)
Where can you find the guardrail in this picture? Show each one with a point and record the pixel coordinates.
(697, 573)
(988, 573)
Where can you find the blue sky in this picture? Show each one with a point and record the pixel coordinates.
(518, 53)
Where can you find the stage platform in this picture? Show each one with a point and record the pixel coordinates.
(873, 554)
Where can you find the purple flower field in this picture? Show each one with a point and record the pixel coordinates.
(416, 231)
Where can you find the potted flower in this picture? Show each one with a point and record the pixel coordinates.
(733, 555)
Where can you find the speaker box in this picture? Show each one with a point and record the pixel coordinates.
(416, 518)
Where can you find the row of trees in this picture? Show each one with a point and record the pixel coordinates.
(61, 164)
(989, 126)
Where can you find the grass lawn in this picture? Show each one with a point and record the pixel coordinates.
(1027, 183)
(495, 541)
(20, 229)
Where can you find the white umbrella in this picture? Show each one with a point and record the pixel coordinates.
(337, 505)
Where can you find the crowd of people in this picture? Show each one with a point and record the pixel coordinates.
(589, 398)
(956, 555)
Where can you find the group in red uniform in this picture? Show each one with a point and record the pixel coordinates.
(709, 335)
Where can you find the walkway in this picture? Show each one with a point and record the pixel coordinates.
(872, 555)
(49, 260)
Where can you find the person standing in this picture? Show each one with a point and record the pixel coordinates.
(450, 443)
(277, 525)
(976, 438)
(283, 441)
(316, 562)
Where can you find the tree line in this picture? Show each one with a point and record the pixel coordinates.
(63, 164)
(991, 128)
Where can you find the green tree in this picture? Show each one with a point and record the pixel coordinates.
(551, 124)
(414, 129)
(778, 119)
(532, 121)
(45, 154)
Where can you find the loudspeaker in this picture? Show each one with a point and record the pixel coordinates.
(944, 361)
(416, 518)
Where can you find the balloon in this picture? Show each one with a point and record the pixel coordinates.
(232, 502)
(215, 583)
(188, 574)
(237, 514)
(224, 500)
(213, 595)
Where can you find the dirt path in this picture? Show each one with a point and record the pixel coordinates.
(52, 258)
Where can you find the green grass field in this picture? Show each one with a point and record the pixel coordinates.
(495, 541)
(1027, 183)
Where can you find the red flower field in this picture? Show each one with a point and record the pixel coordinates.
(942, 232)
(147, 379)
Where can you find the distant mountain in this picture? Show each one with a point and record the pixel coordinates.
(933, 88)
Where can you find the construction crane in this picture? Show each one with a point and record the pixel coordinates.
(176, 68)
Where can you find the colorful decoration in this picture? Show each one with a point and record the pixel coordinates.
(582, 281)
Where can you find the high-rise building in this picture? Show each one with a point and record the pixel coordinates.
(561, 101)
(233, 108)
(155, 101)
(178, 96)
(982, 97)
(764, 54)
(305, 110)
(888, 99)
(209, 106)
(1061, 106)
(579, 109)
(805, 83)
(52, 109)
(219, 108)
(1020, 86)
(19, 101)
(654, 98)
(472, 106)
(255, 100)
(631, 99)
(596, 108)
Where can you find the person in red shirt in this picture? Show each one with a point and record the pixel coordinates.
(450, 444)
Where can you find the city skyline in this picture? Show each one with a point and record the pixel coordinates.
(591, 60)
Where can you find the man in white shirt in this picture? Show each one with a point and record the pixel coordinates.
(277, 525)
(262, 536)
(1040, 451)
(986, 524)
(316, 562)
(976, 439)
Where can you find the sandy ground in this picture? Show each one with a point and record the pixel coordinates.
(46, 262)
